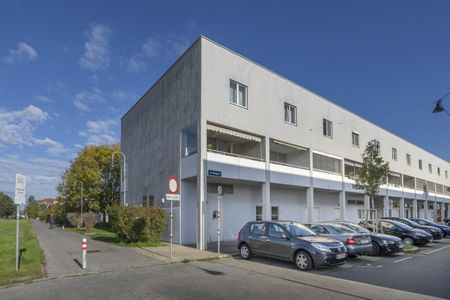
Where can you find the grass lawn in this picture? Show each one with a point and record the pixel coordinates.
(104, 234)
(408, 247)
(31, 256)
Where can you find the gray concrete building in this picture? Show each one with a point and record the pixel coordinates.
(278, 150)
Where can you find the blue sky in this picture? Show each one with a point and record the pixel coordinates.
(70, 69)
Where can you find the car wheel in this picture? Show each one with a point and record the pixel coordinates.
(375, 249)
(408, 240)
(245, 252)
(303, 261)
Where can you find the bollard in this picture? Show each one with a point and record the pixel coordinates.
(84, 250)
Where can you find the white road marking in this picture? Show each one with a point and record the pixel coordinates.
(379, 266)
(403, 259)
(429, 252)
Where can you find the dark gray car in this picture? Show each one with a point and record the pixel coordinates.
(356, 243)
(290, 241)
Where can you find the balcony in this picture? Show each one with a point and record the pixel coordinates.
(289, 155)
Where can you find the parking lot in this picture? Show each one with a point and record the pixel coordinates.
(425, 272)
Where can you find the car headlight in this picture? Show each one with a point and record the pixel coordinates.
(321, 247)
(435, 230)
(388, 242)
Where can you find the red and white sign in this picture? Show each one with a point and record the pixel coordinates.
(173, 185)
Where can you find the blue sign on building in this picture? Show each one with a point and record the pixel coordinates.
(214, 173)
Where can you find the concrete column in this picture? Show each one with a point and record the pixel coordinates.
(402, 207)
(385, 206)
(266, 206)
(342, 205)
(310, 204)
(342, 197)
(415, 212)
(442, 211)
(201, 185)
(435, 208)
(425, 205)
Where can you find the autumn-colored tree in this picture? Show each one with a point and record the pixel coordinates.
(100, 179)
(373, 173)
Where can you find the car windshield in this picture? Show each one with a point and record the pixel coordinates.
(357, 229)
(297, 229)
(402, 225)
(409, 222)
(341, 229)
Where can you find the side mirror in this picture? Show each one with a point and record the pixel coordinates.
(284, 236)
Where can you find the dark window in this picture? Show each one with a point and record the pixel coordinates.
(290, 114)
(259, 213)
(355, 139)
(258, 228)
(276, 230)
(319, 229)
(327, 128)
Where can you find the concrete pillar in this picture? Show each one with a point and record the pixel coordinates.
(385, 206)
(402, 207)
(266, 206)
(442, 211)
(342, 205)
(310, 204)
(435, 209)
(342, 196)
(425, 205)
(415, 212)
(201, 185)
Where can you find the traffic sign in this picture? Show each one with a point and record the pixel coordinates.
(173, 185)
(19, 196)
(173, 197)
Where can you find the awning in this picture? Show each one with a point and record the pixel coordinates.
(289, 145)
(233, 133)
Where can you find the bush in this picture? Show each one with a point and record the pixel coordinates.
(137, 224)
(89, 220)
(74, 219)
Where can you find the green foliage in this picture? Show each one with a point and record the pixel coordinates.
(7, 206)
(374, 171)
(34, 208)
(89, 220)
(101, 181)
(137, 224)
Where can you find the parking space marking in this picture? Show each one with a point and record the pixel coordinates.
(403, 259)
(432, 251)
(379, 266)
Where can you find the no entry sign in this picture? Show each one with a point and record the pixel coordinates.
(173, 185)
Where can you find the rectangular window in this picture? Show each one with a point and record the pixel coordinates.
(439, 171)
(148, 201)
(278, 157)
(394, 154)
(327, 128)
(275, 213)
(326, 163)
(189, 141)
(355, 139)
(290, 114)
(408, 159)
(238, 93)
(430, 168)
(420, 164)
(259, 213)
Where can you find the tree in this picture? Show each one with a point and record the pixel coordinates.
(100, 180)
(31, 199)
(7, 207)
(33, 208)
(373, 173)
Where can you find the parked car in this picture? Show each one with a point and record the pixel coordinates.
(381, 243)
(445, 229)
(290, 241)
(356, 243)
(435, 232)
(408, 234)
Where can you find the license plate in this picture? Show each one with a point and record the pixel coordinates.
(366, 241)
(340, 256)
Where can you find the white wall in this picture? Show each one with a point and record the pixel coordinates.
(291, 203)
(327, 203)
(189, 219)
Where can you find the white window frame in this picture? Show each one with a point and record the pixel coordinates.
(354, 133)
(327, 129)
(237, 103)
(288, 113)
(394, 154)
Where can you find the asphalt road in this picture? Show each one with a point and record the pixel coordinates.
(427, 272)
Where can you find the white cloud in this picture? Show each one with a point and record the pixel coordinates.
(23, 53)
(96, 55)
(54, 148)
(17, 126)
(84, 99)
(41, 98)
(43, 174)
(122, 95)
(100, 132)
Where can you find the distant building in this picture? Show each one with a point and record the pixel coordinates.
(279, 151)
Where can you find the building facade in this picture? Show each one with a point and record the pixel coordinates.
(278, 150)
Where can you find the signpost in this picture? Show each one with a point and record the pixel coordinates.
(173, 195)
(19, 198)
(219, 197)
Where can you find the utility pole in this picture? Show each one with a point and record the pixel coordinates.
(124, 177)
(81, 201)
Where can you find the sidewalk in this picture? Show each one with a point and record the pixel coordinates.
(180, 254)
(63, 253)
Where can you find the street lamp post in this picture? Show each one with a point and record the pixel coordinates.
(124, 179)
(81, 202)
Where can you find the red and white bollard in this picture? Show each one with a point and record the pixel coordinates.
(83, 250)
